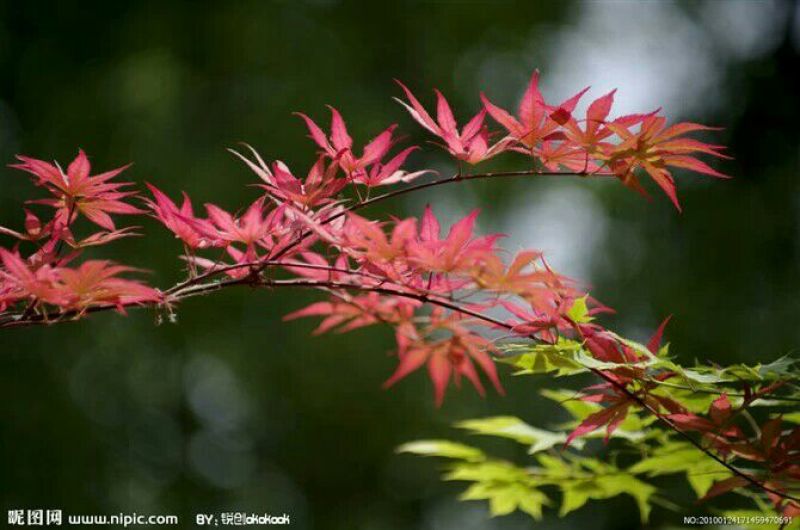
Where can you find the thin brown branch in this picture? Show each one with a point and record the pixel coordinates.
(683, 434)
(201, 289)
(700, 390)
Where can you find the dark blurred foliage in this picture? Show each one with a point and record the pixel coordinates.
(232, 409)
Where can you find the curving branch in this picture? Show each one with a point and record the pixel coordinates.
(202, 289)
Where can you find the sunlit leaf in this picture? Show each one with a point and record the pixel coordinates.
(682, 457)
(556, 358)
(517, 430)
(442, 448)
(587, 479)
(579, 312)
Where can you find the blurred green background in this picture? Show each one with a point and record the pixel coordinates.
(232, 409)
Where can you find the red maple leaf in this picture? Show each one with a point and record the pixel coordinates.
(459, 251)
(655, 147)
(447, 358)
(97, 282)
(536, 121)
(194, 232)
(76, 191)
(470, 144)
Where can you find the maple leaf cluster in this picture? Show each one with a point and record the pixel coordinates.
(596, 144)
(305, 230)
(44, 278)
(451, 296)
(633, 382)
